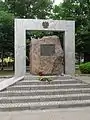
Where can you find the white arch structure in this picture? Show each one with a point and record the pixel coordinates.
(21, 25)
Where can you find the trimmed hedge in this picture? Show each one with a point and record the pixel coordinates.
(85, 68)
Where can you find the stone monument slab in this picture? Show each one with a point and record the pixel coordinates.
(46, 56)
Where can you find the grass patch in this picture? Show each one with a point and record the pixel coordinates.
(6, 72)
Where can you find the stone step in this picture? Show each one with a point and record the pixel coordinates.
(48, 86)
(37, 82)
(44, 105)
(31, 77)
(44, 92)
(43, 98)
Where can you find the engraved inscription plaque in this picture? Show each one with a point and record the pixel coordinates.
(47, 49)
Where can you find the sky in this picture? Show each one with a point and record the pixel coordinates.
(58, 1)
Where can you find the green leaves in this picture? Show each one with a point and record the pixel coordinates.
(85, 68)
(6, 30)
(78, 10)
(30, 8)
(6, 18)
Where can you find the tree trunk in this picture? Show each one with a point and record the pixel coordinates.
(13, 63)
(13, 66)
(86, 57)
(2, 54)
(79, 58)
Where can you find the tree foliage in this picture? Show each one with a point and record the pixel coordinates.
(3, 6)
(33, 9)
(78, 10)
(6, 33)
(6, 30)
(30, 8)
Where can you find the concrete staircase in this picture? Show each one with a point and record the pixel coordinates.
(31, 94)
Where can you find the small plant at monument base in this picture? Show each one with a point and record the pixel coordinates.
(44, 78)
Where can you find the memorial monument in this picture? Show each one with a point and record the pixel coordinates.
(46, 56)
(21, 25)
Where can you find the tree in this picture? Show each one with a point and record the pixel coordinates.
(30, 8)
(3, 6)
(78, 10)
(6, 33)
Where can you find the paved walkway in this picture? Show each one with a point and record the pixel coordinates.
(84, 78)
(61, 114)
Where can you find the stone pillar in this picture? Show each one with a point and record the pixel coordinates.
(20, 49)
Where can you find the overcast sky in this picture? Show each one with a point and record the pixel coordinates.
(58, 1)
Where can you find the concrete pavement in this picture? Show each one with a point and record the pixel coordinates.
(59, 114)
(84, 78)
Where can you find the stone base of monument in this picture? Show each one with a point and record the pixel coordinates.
(32, 94)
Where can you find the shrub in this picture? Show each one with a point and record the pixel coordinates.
(85, 68)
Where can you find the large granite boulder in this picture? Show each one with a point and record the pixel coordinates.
(46, 56)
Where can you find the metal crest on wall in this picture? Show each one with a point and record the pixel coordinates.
(45, 24)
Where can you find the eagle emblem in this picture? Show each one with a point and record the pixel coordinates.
(45, 24)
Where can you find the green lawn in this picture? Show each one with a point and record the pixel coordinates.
(6, 72)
